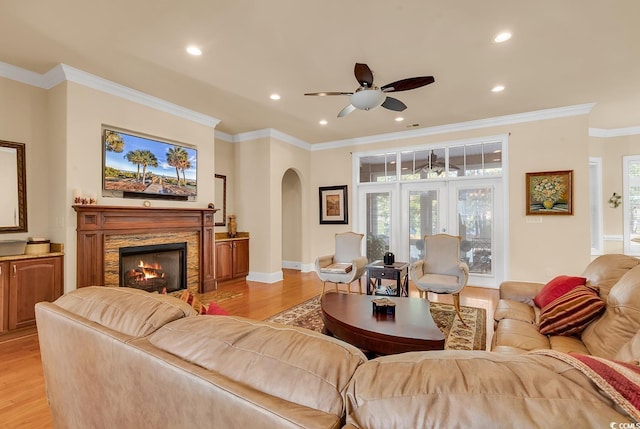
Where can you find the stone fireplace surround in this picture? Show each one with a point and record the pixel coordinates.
(102, 230)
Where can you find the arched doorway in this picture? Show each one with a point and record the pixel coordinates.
(291, 220)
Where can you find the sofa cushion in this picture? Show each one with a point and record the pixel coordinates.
(630, 351)
(621, 319)
(294, 364)
(474, 389)
(566, 344)
(570, 313)
(519, 334)
(557, 287)
(509, 309)
(116, 308)
(606, 270)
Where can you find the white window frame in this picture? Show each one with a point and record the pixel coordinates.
(595, 194)
(360, 225)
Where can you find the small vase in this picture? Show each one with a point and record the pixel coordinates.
(548, 204)
(232, 226)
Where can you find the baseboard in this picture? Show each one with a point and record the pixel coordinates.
(296, 265)
(265, 277)
(307, 268)
(291, 265)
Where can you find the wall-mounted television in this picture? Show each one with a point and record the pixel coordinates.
(140, 166)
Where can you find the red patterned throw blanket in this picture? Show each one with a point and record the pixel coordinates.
(619, 380)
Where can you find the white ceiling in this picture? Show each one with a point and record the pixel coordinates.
(562, 53)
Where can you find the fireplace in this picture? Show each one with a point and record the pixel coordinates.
(103, 230)
(154, 268)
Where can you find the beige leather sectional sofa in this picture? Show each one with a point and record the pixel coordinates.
(617, 278)
(121, 358)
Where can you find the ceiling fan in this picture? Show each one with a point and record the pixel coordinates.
(368, 96)
(435, 164)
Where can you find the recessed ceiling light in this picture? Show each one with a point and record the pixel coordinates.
(323, 122)
(497, 88)
(194, 50)
(399, 119)
(502, 37)
(275, 96)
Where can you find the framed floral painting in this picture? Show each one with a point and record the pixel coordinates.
(550, 193)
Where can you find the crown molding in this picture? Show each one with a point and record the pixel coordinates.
(613, 132)
(21, 75)
(538, 115)
(272, 133)
(63, 72)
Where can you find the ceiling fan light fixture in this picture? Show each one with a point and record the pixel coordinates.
(194, 50)
(367, 99)
(502, 37)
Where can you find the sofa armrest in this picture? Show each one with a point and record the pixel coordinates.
(359, 265)
(416, 270)
(520, 291)
(323, 261)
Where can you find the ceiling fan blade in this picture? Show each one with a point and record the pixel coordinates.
(364, 75)
(406, 84)
(344, 112)
(322, 94)
(394, 104)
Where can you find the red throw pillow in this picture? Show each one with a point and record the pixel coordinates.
(572, 312)
(215, 309)
(556, 288)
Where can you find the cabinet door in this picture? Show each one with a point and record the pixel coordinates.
(240, 258)
(4, 296)
(224, 261)
(30, 282)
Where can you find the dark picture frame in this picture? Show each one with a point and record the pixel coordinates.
(549, 193)
(220, 183)
(333, 205)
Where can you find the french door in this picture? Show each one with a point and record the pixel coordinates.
(398, 216)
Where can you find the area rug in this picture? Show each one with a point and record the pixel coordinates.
(217, 296)
(457, 336)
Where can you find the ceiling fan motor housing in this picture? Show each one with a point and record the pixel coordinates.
(366, 99)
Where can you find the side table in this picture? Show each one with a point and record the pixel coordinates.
(397, 272)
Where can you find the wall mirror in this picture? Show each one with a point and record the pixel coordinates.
(13, 198)
(220, 217)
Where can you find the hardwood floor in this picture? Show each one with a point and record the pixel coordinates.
(23, 402)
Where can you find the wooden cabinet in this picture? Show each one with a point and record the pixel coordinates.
(25, 282)
(232, 259)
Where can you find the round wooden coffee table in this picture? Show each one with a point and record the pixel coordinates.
(350, 317)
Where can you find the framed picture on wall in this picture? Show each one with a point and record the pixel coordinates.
(550, 193)
(333, 205)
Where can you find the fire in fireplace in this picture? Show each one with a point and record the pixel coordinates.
(154, 268)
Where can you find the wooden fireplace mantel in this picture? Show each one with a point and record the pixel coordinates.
(97, 222)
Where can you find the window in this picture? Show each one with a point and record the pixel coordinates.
(453, 188)
(595, 205)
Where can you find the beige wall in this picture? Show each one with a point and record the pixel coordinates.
(87, 111)
(537, 251)
(225, 165)
(61, 128)
(611, 151)
(23, 119)
(292, 218)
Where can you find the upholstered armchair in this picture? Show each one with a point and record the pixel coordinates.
(441, 270)
(348, 254)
